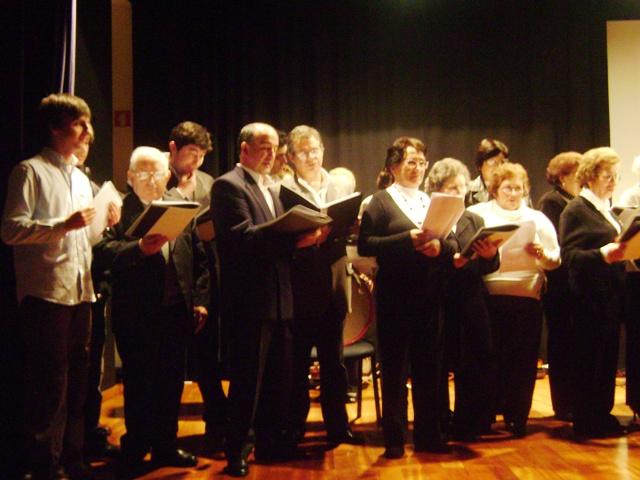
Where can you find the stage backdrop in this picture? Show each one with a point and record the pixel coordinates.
(530, 73)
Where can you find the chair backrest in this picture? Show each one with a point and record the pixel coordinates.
(362, 315)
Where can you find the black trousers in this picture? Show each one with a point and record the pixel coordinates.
(152, 349)
(260, 385)
(559, 315)
(56, 342)
(632, 325)
(516, 324)
(597, 332)
(469, 350)
(205, 367)
(410, 345)
(94, 394)
(325, 333)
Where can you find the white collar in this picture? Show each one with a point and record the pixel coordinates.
(319, 195)
(261, 180)
(601, 205)
(509, 215)
(413, 202)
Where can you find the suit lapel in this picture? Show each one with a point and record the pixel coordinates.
(597, 212)
(256, 193)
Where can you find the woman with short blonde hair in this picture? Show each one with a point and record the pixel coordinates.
(593, 259)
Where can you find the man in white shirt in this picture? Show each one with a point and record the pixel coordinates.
(47, 209)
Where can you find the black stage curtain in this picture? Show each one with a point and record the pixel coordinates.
(530, 73)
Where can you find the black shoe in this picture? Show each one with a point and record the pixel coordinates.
(130, 466)
(59, 474)
(273, 455)
(79, 471)
(464, 436)
(105, 449)
(518, 430)
(433, 447)
(174, 458)
(236, 468)
(563, 416)
(348, 436)
(393, 453)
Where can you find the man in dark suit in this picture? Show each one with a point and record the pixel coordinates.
(256, 299)
(159, 296)
(189, 142)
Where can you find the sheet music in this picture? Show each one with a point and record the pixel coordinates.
(443, 213)
(513, 256)
(101, 201)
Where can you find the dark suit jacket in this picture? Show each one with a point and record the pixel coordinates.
(319, 274)
(202, 194)
(583, 230)
(552, 204)
(255, 277)
(138, 280)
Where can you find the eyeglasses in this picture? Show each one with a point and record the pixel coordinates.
(416, 163)
(607, 177)
(493, 161)
(509, 190)
(313, 153)
(146, 176)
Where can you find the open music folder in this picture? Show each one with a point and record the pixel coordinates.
(164, 217)
(343, 211)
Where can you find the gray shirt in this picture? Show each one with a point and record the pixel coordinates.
(50, 263)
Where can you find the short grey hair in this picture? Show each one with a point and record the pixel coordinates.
(300, 133)
(148, 154)
(443, 170)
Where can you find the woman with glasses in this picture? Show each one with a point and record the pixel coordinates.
(409, 288)
(588, 232)
(467, 329)
(490, 155)
(514, 290)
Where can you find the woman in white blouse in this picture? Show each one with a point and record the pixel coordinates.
(514, 290)
(409, 285)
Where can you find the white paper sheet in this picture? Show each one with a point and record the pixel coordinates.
(513, 256)
(101, 201)
(443, 213)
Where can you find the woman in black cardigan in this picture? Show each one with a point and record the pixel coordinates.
(596, 280)
(408, 295)
(467, 328)
(561, 174)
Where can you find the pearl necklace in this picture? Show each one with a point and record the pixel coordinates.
(416, 216)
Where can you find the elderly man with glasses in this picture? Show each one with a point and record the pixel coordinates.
(160, 295)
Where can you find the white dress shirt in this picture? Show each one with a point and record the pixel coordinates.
(263, 183)
(51, 264)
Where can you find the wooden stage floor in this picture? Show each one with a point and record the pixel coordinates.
(548, 452)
